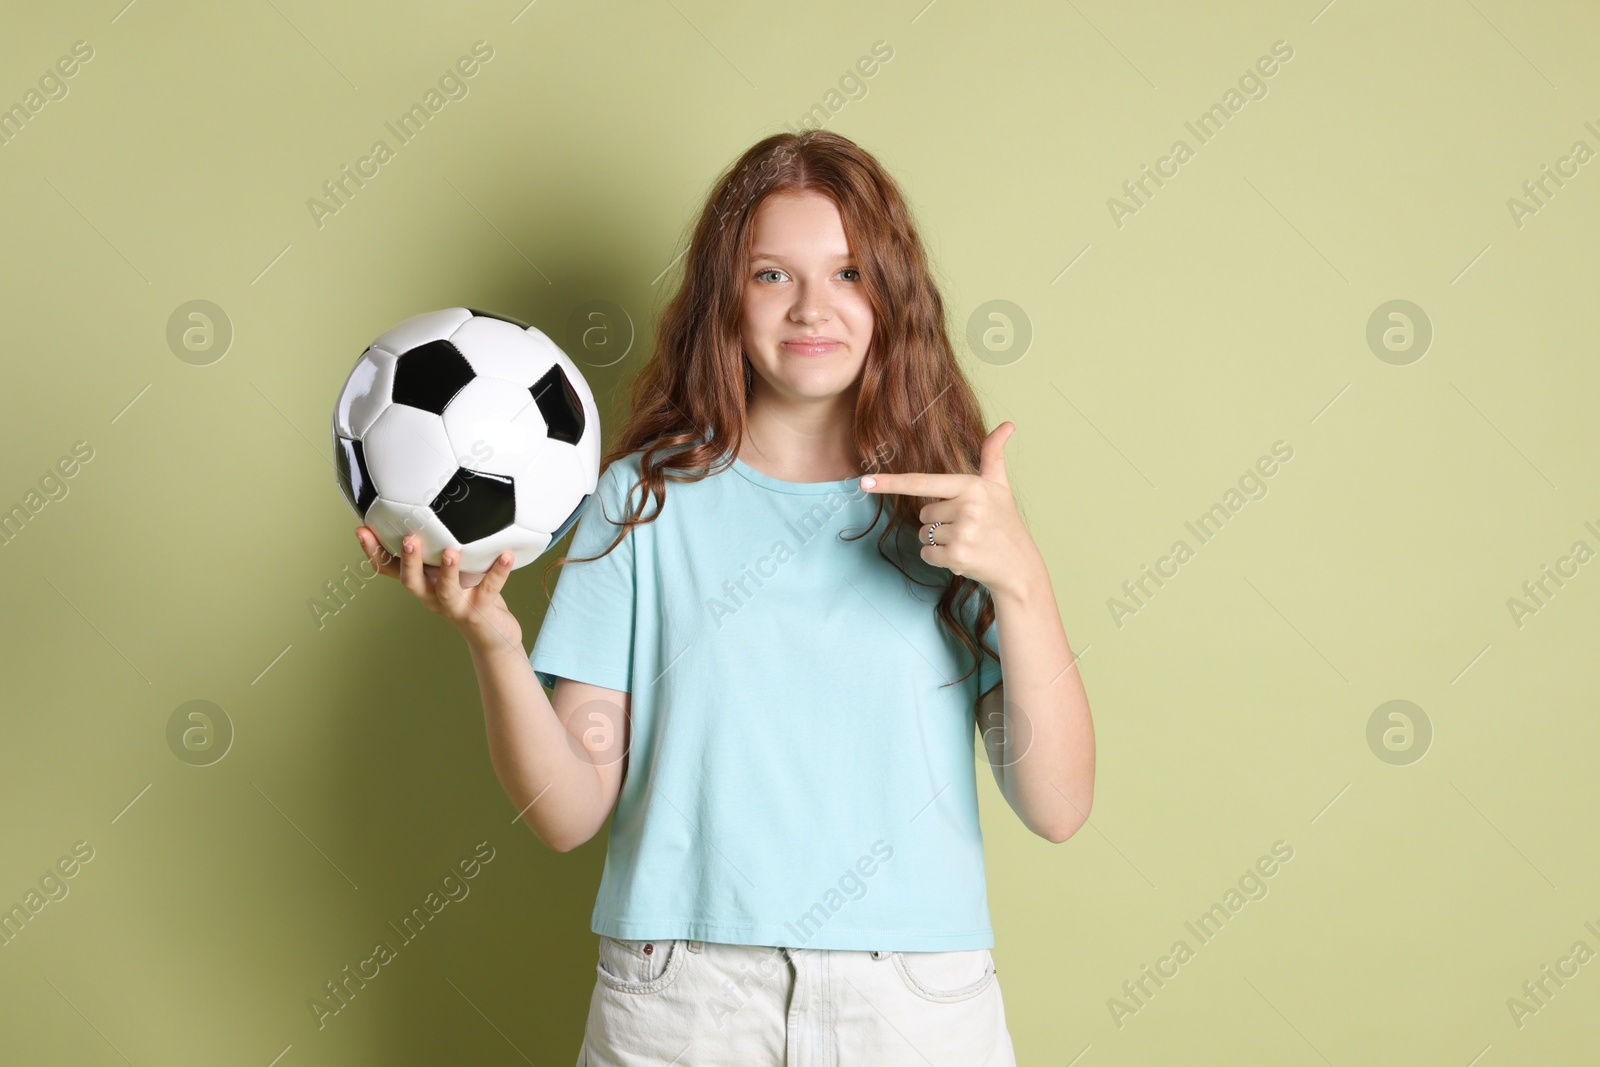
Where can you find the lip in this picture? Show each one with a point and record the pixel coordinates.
(811, 346)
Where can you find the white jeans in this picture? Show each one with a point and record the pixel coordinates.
(708, 1004)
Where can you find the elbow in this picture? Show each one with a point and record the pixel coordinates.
(557, 841)
(562, 844)
(1059, 831)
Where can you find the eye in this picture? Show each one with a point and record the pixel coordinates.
(769, 270)
(852, 270)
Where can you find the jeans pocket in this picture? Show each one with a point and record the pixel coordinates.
(945, 976)
(639, 967)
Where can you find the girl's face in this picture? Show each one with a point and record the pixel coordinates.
(803, 286)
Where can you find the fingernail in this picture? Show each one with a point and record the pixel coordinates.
(868, 482)
(409, 546)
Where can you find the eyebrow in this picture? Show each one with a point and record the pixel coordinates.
(780, 259)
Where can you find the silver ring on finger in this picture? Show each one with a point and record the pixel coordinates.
(932, 527)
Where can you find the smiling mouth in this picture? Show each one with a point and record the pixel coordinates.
(803, 347)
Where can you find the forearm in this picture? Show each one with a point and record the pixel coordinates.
(555, 789)
(1045, 761)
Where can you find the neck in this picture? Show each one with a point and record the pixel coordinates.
(805, 441)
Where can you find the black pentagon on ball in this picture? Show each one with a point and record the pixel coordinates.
(474, 505)
(559, 404)
(430, 375)
(351, 464)
(502, 318)
(567, 523)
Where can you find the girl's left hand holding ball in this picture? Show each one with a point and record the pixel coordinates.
(470, 603)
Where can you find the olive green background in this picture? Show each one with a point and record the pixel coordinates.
(1164, 357)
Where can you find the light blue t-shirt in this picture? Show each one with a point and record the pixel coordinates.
(795, 775)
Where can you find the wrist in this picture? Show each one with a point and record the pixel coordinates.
(1026, 586)
(493, 645)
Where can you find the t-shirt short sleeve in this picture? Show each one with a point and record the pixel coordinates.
(587, 634)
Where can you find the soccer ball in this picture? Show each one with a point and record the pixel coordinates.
(471, 430)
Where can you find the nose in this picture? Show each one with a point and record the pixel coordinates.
(810, 305)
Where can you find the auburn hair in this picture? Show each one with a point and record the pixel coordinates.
(915, 410)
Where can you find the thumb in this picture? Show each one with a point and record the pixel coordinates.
(992, 457)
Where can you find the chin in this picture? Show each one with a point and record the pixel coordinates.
(813, 389)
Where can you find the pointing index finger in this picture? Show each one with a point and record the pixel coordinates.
(943, 486)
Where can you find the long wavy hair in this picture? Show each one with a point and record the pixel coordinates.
(915, 410)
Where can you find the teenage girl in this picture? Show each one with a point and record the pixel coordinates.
(776, 709)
